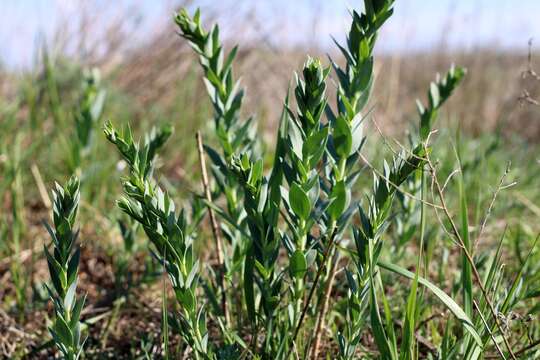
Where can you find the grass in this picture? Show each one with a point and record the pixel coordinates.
(339, 242)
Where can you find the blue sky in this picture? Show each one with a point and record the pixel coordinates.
(417, 24)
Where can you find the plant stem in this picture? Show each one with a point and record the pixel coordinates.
(324, 308)
(313, 288)
(215, 226)
(329, 279)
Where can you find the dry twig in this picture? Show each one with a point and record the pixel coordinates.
(467, 254)
(214, 224)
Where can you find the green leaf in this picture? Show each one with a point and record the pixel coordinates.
(314, 146)
(342, 137)
(466, 280)
(70, 297)
(339, 200)
(255, 174)
(299, 202)
(58, 275)
(298, 264)
(384, 344)
(230, 58)
(76, 313)
(73, 266)
(187, 300)
(357, 132)
(262, 270)
(294, 136)
(63, 332)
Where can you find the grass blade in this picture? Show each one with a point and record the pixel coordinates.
(450, 304)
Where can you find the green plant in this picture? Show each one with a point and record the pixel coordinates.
(288, 228)
(288, 266)
(307, 140)
(170, 234)
(63, 264)
(142, 162)
(12, 170)
(86, 114)
(355, 84)
(234, 136)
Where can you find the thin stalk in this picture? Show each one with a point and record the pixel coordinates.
(409, 328)
(299, 283)
(326, 301)
(41, 186)
(488, 330)
(165, 317)
(215, 227)
(312, 290)
(329, 279)
(17, 228)
(422, 215)
(528, 347)
(500, 187)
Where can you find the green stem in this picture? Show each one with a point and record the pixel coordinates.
(340, 174)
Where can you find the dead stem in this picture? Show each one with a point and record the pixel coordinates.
(215, 226)
(468, 256)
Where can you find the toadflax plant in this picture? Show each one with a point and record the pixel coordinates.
(306, 142)
(63, 262)
(171, 234)
(143, 164)
(287, 229)
(355, 82)
(234, 136)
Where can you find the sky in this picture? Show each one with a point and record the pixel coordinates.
(417, 25)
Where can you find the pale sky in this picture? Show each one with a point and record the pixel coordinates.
(416, 26)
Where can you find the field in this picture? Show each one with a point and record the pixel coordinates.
(150, 208)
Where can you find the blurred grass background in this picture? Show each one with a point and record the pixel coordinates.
(152, 77)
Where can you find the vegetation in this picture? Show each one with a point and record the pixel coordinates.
(337, 243)
(63, 266)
